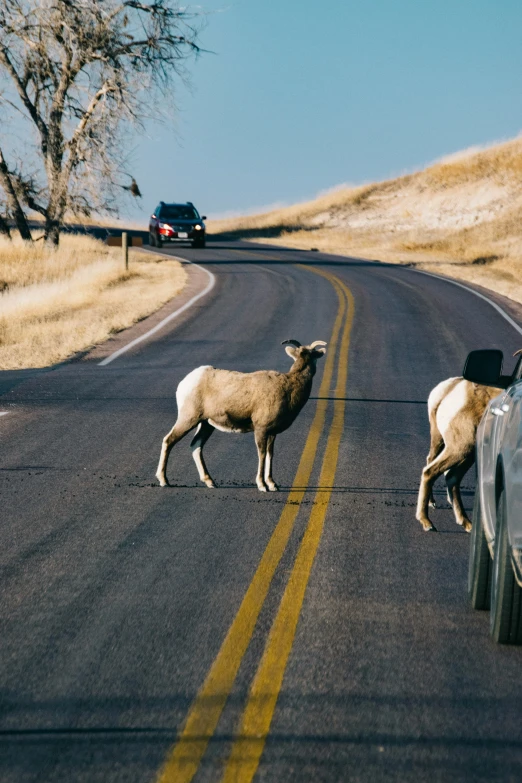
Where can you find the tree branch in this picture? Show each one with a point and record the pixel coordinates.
(37, 119)
(72, 145)
(12, 201)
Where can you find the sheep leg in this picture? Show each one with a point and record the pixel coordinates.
(430, 474)
(436, 446)
(203, 433)
(453, 478)
(179, 430)
(272, 486)
(261, 443)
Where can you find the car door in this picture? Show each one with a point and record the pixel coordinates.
(153, 222)
(488, 436)
(511, 452)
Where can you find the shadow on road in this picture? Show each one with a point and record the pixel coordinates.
(365, 399)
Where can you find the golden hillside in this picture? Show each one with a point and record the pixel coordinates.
(460, 216)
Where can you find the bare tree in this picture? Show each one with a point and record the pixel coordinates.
(85, 74)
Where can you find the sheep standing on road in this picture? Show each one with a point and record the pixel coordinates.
(455, 408)
(264, 402)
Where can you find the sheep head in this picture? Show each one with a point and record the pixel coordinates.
(315, 350)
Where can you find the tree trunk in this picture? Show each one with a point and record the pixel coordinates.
(12, 202)
(52, 232)
(4, 227)
(57, 203)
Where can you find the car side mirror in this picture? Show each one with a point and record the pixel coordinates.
(203, 217)
(153, 217)
(485, 367)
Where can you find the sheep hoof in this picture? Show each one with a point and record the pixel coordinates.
(272, 487)
(261, 487)
(162, 481)
(209, 483)
(432, 504)
(466, 524)
(428, 526)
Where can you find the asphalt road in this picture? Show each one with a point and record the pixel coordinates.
(130, 611)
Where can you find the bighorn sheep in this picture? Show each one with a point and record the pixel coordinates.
(455, 408)
(264, 402)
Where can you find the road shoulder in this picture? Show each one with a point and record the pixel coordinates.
(197, 282)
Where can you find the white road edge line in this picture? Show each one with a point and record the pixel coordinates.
(472, 290)
(210, 285)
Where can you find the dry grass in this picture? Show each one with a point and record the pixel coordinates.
(461, 216)
(55, 303)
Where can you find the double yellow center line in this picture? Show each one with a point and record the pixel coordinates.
(204, 714)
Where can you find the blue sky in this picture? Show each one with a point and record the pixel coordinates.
(301, 96)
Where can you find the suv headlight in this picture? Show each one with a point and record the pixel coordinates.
(198, 227)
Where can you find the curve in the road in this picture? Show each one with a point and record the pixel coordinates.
(117, 595)
(151, 332)
(497, 307)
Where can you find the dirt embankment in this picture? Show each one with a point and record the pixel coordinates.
(460, 217)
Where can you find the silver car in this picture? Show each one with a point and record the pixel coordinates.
(495, 565)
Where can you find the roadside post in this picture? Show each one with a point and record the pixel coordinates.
(125, 249)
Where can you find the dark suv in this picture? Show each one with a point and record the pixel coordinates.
(176, 223)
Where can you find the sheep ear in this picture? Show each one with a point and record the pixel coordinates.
(291, 351)
(318, 352)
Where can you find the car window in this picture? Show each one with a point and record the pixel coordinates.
(178, 212)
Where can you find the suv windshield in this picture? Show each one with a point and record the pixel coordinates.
(178, 212)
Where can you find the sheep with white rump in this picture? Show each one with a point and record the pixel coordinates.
(264, 402)
(455, 408)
